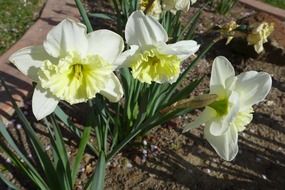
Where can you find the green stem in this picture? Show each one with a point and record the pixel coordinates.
(84, 15)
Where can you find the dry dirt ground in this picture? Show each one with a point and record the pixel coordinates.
(166, 158)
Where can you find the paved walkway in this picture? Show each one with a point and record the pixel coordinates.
(53, 12)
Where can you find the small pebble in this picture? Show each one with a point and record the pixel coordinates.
(18, 126)
(208, 171)
(252, 130)
(144, 142)
(30, 155)
(129, 165)
(153, 147)
(144, 159)
(264, 176)
(47, 147)
(82, 170)
(8, 160)
(270, 103)
(258, 159)
(144, 151)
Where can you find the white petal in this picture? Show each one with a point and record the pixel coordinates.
(65, 37)
(222, 69)
(225, 145)
(124, 59)
(29, 59)
(222, 124)
(113, 91)
(105, 43)
(253, 87)
(183, 49)
(43, 103)
(207, 115)
(144, 30)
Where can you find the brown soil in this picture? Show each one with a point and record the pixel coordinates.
(166, 158)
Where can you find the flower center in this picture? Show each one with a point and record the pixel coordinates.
(221, 106)
(151, 65)
(242, 119)
(75, 79)
(77, 71)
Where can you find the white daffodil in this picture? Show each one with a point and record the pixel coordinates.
(151, 7)
(71, 65)
(150, 58)
(232, 110)
(176, 5)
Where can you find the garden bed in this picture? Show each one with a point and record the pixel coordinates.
(166, 158)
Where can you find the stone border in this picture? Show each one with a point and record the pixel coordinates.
(53, 12)
(259, 5)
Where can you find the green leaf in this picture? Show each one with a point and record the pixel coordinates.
(76, 165)
(101, 16)
(8, 183)
(185, 92)
(46, 164)
(65, 119)
(99, 176)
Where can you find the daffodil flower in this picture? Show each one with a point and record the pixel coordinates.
(259, 36)
(176, 5)
(228, 30)
(151, 7)
(232, 110)
(150, 58)
(71, 65)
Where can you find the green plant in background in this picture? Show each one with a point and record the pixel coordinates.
(16, 17)
(276, 3)
(224, 6)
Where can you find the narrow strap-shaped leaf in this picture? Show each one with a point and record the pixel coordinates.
(45, 162)
(185, 92)
(65, 119)
(99, 176)
(101, 16)
(80, 153)
(84, 15)
(8, 183)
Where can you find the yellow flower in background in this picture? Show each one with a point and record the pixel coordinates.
(72, 66)
(259, 36)
(150, 58)
(228, 30)
(232, 110)
(151, 7)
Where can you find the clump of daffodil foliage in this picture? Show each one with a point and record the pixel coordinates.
(134, 88)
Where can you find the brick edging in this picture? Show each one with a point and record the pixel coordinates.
(259, 5)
